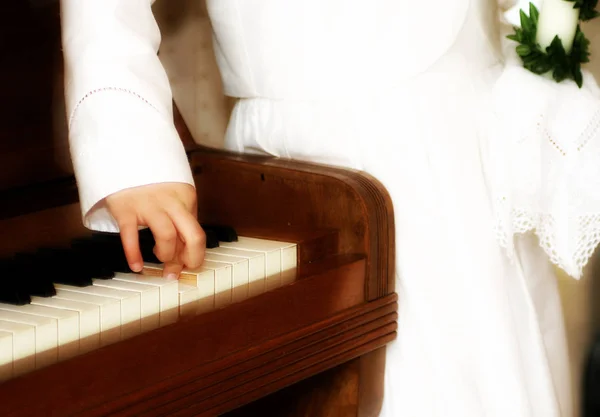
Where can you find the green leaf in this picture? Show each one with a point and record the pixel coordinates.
(517, 36)
(556, 47)
(560, 74)
(542, 68)
(554, 59)
(578, 78)
(523, 50)
(587, 9)
(525, 22)
(534, 14)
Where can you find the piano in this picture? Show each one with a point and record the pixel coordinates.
(289, 315)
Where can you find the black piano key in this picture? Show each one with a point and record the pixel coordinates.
(147, 241)
(35, 279)
(64, 266)
(224, 233)
(101, 254)
(212, 241)
(147, 244)
(146, 234)
(113, 255)
(91, 256)
(112, 238)
(12, 290)
(115, 249)
(149, 256)
(110, 249)
(14, 295)
(114, 258)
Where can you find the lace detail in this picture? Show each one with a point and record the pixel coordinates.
(543, 225)
(557, 197)
(103, 89)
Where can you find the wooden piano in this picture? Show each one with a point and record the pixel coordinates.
(313, 345)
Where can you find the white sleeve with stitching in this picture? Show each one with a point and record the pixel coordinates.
(119, 103)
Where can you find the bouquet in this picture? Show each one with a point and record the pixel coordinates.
(551, 42)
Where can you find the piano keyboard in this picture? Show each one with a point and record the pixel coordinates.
(60, 303)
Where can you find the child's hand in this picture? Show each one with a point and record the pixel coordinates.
(169, 210)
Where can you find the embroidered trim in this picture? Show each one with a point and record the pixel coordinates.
(590, 131)
(570, 249)
(103, 89)
(523, 221)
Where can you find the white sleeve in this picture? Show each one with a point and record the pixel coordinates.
(119, 103)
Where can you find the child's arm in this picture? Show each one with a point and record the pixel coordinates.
(130, 164)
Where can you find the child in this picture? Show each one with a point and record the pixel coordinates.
(473, 149)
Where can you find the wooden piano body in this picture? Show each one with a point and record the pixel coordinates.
(313, 347)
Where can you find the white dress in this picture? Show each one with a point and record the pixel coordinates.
(474, 150)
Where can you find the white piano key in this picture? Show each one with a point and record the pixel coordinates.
(279, 257)
(89, 319)
(289, 254)
(23, 346)
(6, 355)
(110, 313)
(289, 264)
(168, 292)
(129, 301)
(256, 267)
(149, 300)
(46, 335)
(239, 273)
(203, 279)
(67, 326)
(272, 257)
(219, 275)
(188, 299)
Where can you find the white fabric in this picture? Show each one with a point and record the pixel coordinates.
(420, 95)
(119, 104)
(479, 334)
(286, 39)
(545, 173)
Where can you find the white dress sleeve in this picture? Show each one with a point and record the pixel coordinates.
(544, 167)
(119, 103)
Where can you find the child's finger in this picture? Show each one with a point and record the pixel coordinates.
(192, 236)
(130, 239)
(165, 235)
(172, 270)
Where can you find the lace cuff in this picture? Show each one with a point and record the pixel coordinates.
(544, 164)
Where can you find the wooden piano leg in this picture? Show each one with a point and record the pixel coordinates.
(353, 389)
(371, 374)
